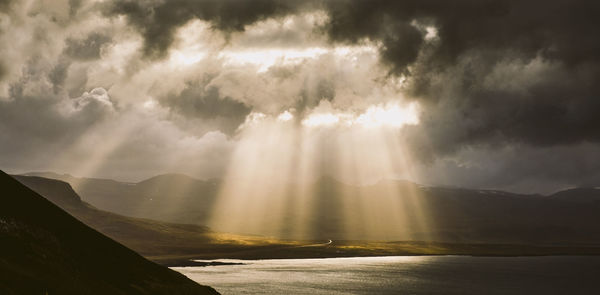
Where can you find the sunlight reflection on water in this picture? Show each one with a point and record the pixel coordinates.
(404, 275)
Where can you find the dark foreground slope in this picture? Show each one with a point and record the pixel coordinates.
(44, 250)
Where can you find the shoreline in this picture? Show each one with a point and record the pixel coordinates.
(192, 262)
(392, 249)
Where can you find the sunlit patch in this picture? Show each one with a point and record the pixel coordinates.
(391, 115)
(191, 44)
(252, 119)
(432, 33)
(186, 57)
(265, 58)
(429, 32)
(285, 116)
(149, 104)
(326, 119)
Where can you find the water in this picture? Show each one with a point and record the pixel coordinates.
(405, 275)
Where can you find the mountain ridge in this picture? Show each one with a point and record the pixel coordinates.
(454, 214)
(174, 175)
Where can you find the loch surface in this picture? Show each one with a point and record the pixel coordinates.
(405, 275)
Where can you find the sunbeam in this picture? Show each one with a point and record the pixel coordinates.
(323, 175)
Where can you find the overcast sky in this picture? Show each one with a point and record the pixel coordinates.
(482, 94)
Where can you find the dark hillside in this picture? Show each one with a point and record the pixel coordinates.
(44, 250)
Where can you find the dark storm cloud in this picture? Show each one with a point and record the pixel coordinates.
(74, 6)
(87, 48)
(562, 29)
(58, 75)
(475, 106)
(454, 75)
(158, 20)
(356, 21)
(199, 101)
(5, 5)
(2, 71)
(521, 168)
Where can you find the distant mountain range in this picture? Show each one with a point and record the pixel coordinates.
(454, 215)
(44, 250)
(171, 197)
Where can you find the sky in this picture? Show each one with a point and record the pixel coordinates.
(481, 94)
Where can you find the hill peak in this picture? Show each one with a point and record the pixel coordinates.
(61, 191)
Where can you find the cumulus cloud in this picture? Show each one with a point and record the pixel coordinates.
(201, 101)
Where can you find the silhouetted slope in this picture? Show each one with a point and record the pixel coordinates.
(462, 215)
(578, 195)
(45, 250)
(145, 236)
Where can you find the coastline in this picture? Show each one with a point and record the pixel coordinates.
(341, 249)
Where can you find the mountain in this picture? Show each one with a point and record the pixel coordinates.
(578, 195)
(388, 210)
(44, 250)
(148, 237)
(174, 198)
(493, 216)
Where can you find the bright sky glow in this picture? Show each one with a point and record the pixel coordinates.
(149, 104)
(265, 58)
(432, 33)
(285, 116)
(187, 57)
(391, 116)
(326, 119)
